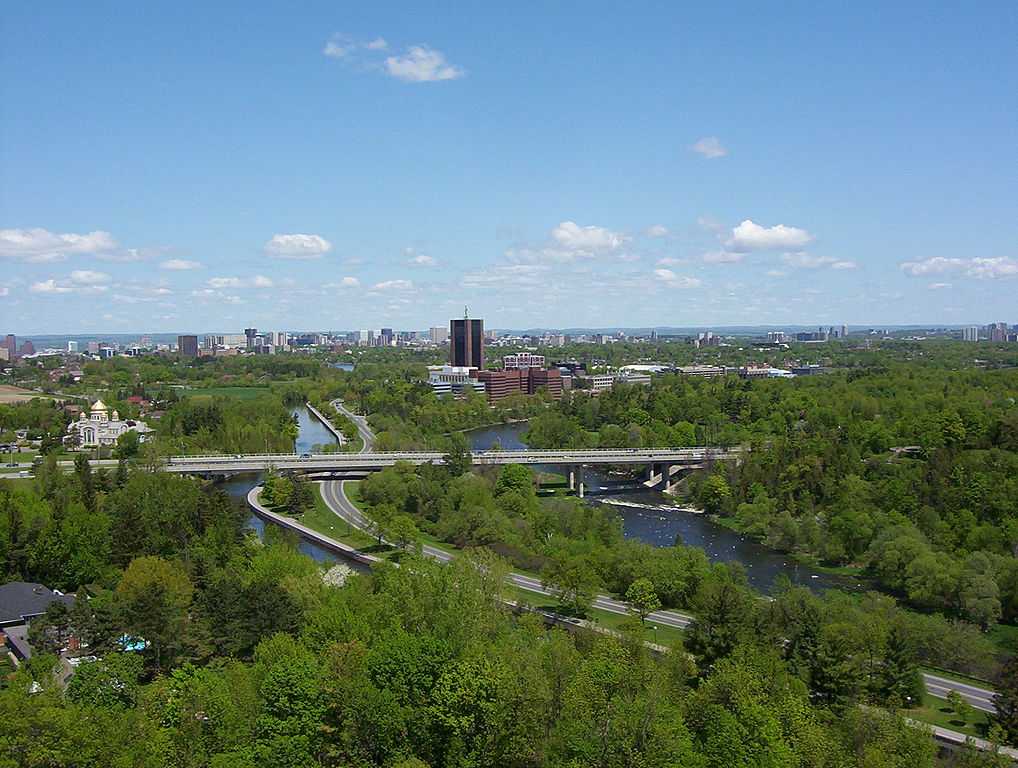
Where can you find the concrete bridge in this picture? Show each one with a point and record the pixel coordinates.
(662, 463)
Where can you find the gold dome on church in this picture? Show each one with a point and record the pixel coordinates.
(99, 405)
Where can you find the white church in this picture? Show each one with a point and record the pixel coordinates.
(100, 428)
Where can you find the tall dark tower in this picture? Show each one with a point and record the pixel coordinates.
(466, 343)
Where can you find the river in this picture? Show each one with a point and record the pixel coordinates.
(652, 517)
(646, 515)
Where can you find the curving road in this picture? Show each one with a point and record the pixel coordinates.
(337, 500)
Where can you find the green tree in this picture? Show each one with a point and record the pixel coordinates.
(714, 492)
(961, 706)
(514, 478)
(573, 583)
(457, 458)
(642, 599)
(109, 682)
(1005, 702)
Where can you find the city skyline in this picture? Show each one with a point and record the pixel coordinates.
(380, 167)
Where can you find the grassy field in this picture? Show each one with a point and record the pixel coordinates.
(11, 394)
(936, 711)
(241, 393)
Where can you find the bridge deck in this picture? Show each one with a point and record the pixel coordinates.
(371, 461)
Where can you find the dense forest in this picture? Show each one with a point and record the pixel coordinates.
(935, 523)
(253, 655)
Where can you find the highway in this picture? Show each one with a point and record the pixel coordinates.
(367, 460)
(336, 499)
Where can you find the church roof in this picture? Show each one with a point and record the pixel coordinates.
(99, 405)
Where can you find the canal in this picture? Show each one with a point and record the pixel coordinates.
(656, 519)
(313, 435)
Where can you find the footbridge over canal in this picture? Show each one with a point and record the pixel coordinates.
(661, 463)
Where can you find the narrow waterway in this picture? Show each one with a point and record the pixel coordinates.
(654, 518)
(312, 433)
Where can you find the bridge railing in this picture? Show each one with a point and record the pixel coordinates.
(568, 454)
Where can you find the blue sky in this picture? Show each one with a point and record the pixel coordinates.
(358, 165)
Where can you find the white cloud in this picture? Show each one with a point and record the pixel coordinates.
(422, 260)
(528, 275)
(571, 235)
(393, 285)
(257, 281)
(50, 286)
(126, 255)
(180, 264)
(346, 282)
(721, 257)
(805, 261)
(776, 273)
(297, 247)
(337, 49)
(977, 268)
(87, 276)
(937, 286)
(749, 237)
(710, 147)
(42, 246)
(991, 269)
(341, 46)
(677, 281)
(844, 265)
(422, 65)
(569, 242)
(656, 231)
(213, 295)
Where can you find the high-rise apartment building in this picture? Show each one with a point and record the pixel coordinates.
(187, 346)
(466, 345)
(438, 334)
(11, 342)
(72, 346)
(251, 335)
(970, 334)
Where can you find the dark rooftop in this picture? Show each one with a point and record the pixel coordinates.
(19, 601)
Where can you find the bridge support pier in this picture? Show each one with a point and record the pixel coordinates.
(579, 489)
(571, 477)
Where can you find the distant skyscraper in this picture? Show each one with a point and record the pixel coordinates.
(438, 334)
(72, 346)
(26, 348)
(970, 334)
(187, 346)
(11, 343)
(844, 331)
(146, 341)
(466, 345)
(252, 336)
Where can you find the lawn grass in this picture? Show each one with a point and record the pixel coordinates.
(241, 393)
(936, 711)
